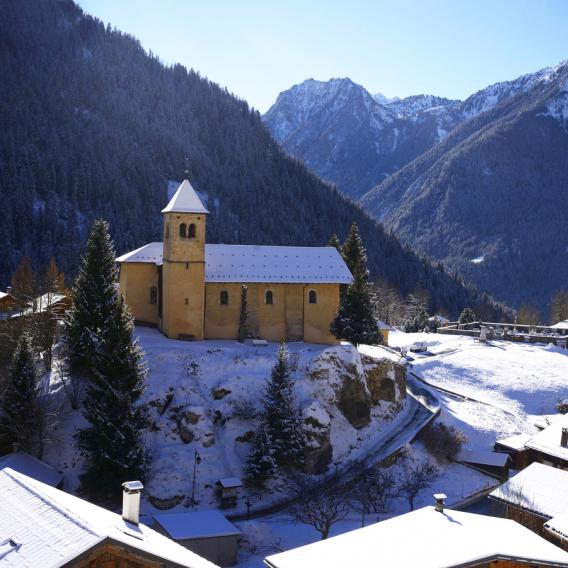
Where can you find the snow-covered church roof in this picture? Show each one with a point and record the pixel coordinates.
(185, 200)
(253, 263)
(43, 526)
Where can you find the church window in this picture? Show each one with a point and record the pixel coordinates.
(182, 230)
(313, 297)
(269, 297)
(224, 297)
(191, 231)
(153, 295)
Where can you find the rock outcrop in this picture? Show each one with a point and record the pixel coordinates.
(317, 427)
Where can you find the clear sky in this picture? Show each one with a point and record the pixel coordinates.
(258, 48)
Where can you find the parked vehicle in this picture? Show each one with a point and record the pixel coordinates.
(418, 347)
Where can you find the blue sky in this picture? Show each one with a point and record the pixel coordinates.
(256, 49)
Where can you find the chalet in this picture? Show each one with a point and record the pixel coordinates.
(191, 289)
(533, 497)
(44, 526)
(515, 447)
(550, 447)
(8, 304)
(207, 533)
(430, 538)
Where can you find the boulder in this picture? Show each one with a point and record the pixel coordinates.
(386, 379)
(165, 503)
(354, 400)
(317, 428)
(187, 436)
(220, 392)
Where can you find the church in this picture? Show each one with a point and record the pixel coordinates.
(192, 290)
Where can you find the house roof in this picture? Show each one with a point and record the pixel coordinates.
(561, 324)
(43, 526)
(185, 200)
(32, 467)
(253, 263)
(483, 457)
(516, 443)
(229, 482)
(539, 488)
(449, 539)
(196, 524)
(548, 441)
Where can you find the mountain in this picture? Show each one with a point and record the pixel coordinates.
(93, 126)
(491, 198)
(351, 138)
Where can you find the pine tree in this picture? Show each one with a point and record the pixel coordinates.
(335, 243)
(356, 321)
(283, 420)
(354, 252)
(243, 316)
(112, 444)
(94, 296)
(20, 401)
(260, 464)
(467, 316)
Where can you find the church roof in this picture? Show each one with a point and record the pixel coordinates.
(252, 263)
(185, 200)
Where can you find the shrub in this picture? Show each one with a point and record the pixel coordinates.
(442, 441)
(562, 406)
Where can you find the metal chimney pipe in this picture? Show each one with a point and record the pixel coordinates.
(564, 438)
(440, 498)
(131, 501)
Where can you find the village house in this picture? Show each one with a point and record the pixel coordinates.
(45, 527)
(192, 290)
(430, 538)
(207, 533)
(30, 466)
(535, 497)
(550, 447)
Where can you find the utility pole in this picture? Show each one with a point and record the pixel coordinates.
(196, 462)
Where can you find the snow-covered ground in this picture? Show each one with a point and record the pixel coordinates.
(504, 386)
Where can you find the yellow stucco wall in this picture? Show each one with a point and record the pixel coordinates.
(136, 279)
(183, 293)
(289, 317)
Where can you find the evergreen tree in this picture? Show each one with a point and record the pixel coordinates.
(94, 296)
(112, 444)
(21, 398)
(354, 252)
(243, 316)
(356, 321)
(283, 420)
(335, 243)
(467, 316)
(418, 322)
(260, 464)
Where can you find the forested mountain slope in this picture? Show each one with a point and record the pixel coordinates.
(92, 126)
(491, 199)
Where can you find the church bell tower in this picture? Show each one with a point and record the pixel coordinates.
(183, 270)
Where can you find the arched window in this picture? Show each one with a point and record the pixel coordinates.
(153, 295)
(269, 297)
(224, 297)
(191, 231)
(313, 297)
(182, 230)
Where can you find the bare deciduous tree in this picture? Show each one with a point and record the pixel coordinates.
(318, 506)
(416, 476)
(373, 492)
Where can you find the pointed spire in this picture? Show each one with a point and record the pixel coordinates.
(185, 200)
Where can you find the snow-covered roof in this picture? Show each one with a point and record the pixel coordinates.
(32, 467)
(185, 200)
(452, 538)
(548, 441)
(196, 524)
(4, 295)
(558, 525)
(229, 482)
(483, 457)
(539, 488)
(253, 263)
(50, 528)
(561, 324)
(516, 443)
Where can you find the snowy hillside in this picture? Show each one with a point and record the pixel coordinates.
(203, 396)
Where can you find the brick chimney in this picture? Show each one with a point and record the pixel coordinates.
(440, 498)
(564, 438)
(131, 501)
